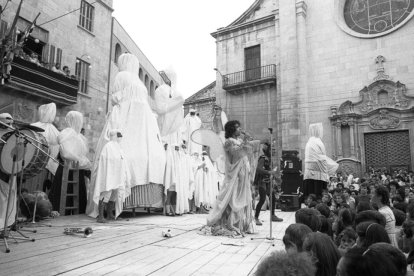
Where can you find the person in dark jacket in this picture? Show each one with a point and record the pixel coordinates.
(263, 180)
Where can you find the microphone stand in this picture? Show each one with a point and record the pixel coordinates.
(270, 237)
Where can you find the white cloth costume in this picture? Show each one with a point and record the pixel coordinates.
(168, 105)
(191, 123)
(47, 114)
(73, 145)
(132, 114)
(318, 166)
(205, 180)
(112, 174)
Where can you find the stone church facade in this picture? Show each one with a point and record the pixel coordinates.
(346, 63)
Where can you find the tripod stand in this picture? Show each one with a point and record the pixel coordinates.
(270, 237)
(17, 156)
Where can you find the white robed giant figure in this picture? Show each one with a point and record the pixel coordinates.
(168, 105)
(47, 114)
(318, 166)
(191, 123)
(113, 179)
(132, 114)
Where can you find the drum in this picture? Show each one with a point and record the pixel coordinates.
(34, 159)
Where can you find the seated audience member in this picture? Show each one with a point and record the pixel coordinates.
(406, 237)
(324, 252)
(398, 203)
(410, 211)
(370, 233)
(359, 261)
(66, 70)
(326, 199)
(400, 217)
(295, 235)
(392, 253)
(348, 199)
(347, 239)
(309, 217)
(286, 264)
(344, 220)
(363, 194)
(411, 197)
(309, 200)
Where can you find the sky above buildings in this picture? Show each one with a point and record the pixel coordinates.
(176, 33)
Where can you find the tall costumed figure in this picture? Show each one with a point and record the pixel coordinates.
(141, 142)
(318, 166)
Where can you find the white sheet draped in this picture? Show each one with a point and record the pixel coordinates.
(47, 114)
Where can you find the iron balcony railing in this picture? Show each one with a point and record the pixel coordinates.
(259, 73)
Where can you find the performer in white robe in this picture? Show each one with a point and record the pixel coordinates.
(113, 179)
(191, 123)
(141, 141)
(73, 146)
(47, 114)
(205, 183)
(318, 166)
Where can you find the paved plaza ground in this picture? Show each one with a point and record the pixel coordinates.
(135, 246)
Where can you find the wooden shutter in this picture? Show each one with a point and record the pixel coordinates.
(3, 29)
(45, 53)
(59, 57)
(252, 62)
(52, 56)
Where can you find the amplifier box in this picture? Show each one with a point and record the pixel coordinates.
(289, 203)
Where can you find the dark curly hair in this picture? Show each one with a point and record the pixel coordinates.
(230, 127)
(384, 194)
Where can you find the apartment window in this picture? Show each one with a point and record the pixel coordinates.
(82, 73)
(86, 16)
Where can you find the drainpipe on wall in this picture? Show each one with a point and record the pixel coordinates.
(109, 72)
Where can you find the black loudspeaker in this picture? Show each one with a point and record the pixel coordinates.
(289, 203)
(290, 162)
(291, 166)
(291, 182)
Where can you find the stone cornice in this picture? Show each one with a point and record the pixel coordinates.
(105, 5)
(245, 25)
(301, 8)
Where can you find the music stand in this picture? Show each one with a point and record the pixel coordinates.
(6, 233)
(270, 237)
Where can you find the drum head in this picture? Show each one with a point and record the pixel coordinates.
(15, 146)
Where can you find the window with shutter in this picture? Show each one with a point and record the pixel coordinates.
(52, 56)
(59, 57)
(252, 62)
(82, 73)
(86, 16)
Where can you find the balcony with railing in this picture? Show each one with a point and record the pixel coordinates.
(29, 78)
(252, 78)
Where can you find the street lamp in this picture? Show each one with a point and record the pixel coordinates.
(87, 57)
(223, 78)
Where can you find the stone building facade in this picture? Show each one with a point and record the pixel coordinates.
(346, 63)
(121, 43)
(79, 40)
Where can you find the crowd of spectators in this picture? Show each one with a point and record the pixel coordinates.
(34, 58)
(359, 226)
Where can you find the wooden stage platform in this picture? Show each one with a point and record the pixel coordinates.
(135, 246)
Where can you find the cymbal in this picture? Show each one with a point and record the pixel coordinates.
(22, 125)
